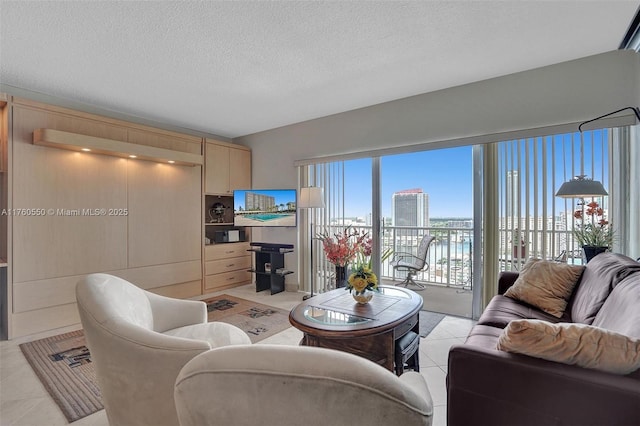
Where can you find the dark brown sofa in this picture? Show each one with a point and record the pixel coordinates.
(486, 386)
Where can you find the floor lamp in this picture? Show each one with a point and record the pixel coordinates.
(311, 197)
(581, 186)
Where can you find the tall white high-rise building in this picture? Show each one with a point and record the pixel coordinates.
(410, 208)
(254, 201)
(512, 193)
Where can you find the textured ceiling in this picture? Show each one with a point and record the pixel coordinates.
(238, 67)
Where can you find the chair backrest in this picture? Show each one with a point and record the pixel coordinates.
(294, 385)
(423, 249)
(111, 298)
(562, 257)
(135, 366)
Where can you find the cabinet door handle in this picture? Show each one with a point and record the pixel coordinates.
(230, 265)
(229, 251)
(231, 278)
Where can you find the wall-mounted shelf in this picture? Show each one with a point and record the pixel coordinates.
(83, 143)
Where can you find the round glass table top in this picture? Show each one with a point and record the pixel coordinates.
(330, 317)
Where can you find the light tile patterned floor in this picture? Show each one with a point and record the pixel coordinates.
(25, 402)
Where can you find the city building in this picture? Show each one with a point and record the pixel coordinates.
(512, 193)
(410, 208)
(254, 201)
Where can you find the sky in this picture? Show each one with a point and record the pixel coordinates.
(444, 174)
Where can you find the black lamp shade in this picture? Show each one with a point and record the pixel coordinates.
(581, 187)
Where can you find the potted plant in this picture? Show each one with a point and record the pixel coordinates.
(363, 281)
(593, 232)
(341, 249)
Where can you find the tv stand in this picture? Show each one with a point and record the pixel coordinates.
(273, 254)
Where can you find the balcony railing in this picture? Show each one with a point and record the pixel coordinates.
(450, 256)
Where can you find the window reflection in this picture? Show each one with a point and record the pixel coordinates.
(329, 317)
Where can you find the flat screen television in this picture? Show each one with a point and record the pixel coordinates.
(264, 207)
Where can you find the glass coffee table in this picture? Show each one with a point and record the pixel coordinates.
(334, 320)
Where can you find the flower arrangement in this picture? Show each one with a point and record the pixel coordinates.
(350, 245)
(594, 230)
(362, 278)
(343, 247)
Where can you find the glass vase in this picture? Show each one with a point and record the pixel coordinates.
(362, 297)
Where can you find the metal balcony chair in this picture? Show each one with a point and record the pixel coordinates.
(562, 257)
(413, 263)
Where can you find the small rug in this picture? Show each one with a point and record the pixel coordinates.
(257, 320)
(63, 365)
(428, 321)
(63, 362)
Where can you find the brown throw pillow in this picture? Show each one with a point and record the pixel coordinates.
(571, 343)
(546, 285)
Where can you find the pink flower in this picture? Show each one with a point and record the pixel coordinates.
(343, 247)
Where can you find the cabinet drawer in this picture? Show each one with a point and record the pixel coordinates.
(225, 251)
(403, 328)
(212, 282)
(226, 265)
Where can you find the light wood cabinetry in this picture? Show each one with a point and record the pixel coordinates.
(164, 217)
(147, 229)
(227, 167)
(239, 168)
(226, 265)
(5, 295)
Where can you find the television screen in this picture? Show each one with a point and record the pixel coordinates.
(264, 207)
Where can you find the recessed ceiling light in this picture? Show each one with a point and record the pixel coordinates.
(86, 150)
(171, 162)
(133, 156)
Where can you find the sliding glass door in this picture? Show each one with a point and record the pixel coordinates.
(397, 199)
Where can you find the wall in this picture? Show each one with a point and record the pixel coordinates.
(542, 98)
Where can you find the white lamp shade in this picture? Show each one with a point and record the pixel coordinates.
(581, 187)
(311, 197)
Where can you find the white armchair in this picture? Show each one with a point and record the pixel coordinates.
(139, 341)
(297, 385)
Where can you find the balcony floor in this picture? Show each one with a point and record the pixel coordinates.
(439, 298)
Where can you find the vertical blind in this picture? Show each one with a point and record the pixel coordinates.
(329, 176)
(532, 221)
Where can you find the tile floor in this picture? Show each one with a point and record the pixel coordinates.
(25, 402)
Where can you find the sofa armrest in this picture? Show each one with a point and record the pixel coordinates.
(506, 280)
(170, 313)
(487, 386)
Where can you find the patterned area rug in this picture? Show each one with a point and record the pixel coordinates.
(63, 362)
(257, 320)
(63, 365)
(428, 321)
